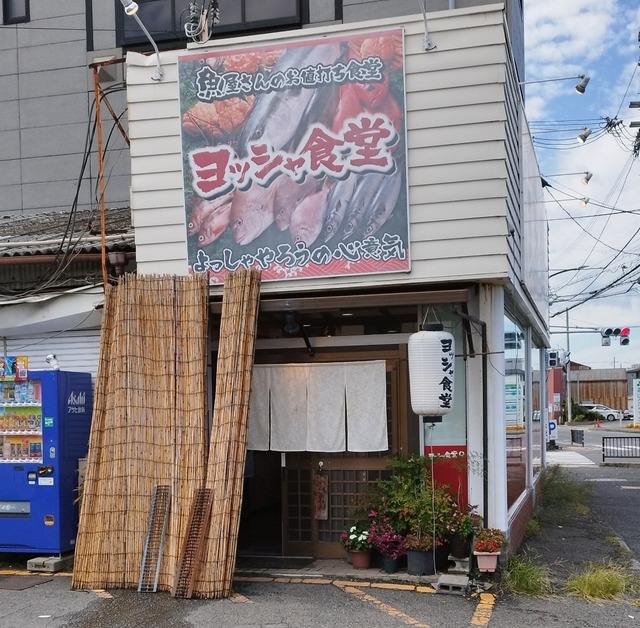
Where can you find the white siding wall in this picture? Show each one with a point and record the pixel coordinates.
(457, 137)
(74, 350)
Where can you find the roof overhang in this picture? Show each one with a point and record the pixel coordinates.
(79, 308)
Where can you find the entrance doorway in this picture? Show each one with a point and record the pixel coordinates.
(261, 517)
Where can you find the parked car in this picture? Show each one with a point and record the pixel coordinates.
(608, 413)
(627, 415)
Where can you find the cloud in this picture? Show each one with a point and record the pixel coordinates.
(598, 38)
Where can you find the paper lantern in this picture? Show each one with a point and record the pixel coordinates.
(431, 366)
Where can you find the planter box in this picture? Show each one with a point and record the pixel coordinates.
(487, 561)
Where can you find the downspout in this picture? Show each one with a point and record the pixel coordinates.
(485, 410)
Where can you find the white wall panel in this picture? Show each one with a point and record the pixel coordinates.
(74, 350)
(457, 155)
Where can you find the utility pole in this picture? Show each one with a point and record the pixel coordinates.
(568, 370)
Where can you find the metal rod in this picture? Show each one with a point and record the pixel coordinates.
(103, 247)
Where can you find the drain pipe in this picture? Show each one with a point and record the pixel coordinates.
(485, 411)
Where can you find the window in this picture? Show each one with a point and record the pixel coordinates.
(165, 19)
(15, 11)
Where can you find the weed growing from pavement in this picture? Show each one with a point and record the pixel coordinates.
(561, 496)
(623, 554)
(532, 529)
(604, 581)
(525, 574)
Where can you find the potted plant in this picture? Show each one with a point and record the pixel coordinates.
(387, 541)
(417, 508)
(487, 546)
(465, 524)
(358, 541)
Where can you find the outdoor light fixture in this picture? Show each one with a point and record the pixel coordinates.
(131, 9)
(582, 138)
(293, 328)
(53, 362)
(580, 87)
(584, 201)
(585, 179)
(427, 43)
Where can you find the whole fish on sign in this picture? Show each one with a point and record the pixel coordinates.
(308, 217)
(281, 118)
(202, 210)
(251, 213)
(288, 194)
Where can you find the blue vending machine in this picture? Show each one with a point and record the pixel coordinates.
(45, 419)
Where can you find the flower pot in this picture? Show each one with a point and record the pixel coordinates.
(361, 559)
(459, 546)
(390, 565)
(420, 562)
(487, 561)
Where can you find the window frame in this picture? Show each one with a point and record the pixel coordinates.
(8, 12)
(241, 28)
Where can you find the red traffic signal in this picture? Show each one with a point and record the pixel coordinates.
(624, 336)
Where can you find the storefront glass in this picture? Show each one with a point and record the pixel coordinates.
(515, 402)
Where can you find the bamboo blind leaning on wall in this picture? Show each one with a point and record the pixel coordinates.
(228, 446)
(148, 428)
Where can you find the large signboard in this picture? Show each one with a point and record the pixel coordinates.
(294, 157)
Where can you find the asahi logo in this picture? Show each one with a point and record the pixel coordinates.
(76, 399)
(76, 403)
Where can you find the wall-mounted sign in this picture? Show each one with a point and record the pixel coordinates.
(294, 157)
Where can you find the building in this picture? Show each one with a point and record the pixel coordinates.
(458, 176)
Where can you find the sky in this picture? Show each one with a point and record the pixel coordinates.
(594, 256)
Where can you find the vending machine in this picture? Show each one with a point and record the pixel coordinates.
(45, 418)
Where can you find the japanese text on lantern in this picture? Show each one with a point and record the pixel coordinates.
(446, 396)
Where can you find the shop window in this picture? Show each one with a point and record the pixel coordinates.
(165, 19)
(15, 11)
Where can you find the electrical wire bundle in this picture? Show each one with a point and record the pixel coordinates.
(201, 20)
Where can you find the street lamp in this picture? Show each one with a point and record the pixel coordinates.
(580, 87)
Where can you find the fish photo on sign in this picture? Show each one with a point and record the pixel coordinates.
(294, 157)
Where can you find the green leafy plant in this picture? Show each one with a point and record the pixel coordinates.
(466, 522)
(598, 581)
(525, 575)
(489, 540)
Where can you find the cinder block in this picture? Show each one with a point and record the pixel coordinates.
(448, 583)
(50, 564)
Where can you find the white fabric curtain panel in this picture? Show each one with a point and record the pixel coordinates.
(327, 407)
(288, 397)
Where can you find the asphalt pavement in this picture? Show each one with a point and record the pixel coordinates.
(331, 593)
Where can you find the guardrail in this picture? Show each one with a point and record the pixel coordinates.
(620, 447)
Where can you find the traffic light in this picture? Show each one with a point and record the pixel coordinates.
(624, 336)
(553, 359)
(614, 332)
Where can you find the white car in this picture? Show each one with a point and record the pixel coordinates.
(608, 413)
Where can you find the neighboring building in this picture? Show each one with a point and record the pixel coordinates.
(458, 246)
